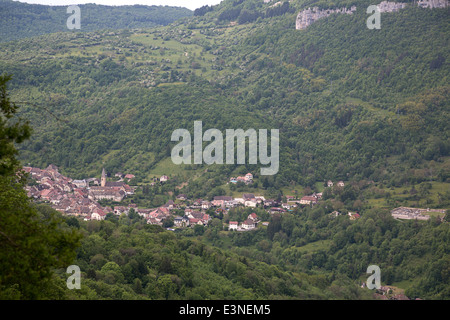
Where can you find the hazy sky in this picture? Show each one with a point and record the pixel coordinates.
(190, 4)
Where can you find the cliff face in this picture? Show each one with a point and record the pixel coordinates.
(308, 16)
(387, 6)
(433, 4)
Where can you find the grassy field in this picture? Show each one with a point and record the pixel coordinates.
(167, 167)
(402, 196)
(315, 246)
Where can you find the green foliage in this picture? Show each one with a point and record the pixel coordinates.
(11, 130)
(36, 19)
(139, 263)
(306, 254)
(34, 240)
(324, 89)
(366, 106)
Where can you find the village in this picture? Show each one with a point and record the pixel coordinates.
(80, 198)
(76, 197)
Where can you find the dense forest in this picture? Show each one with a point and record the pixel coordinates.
(22, 20)
(369, 107)
(344, 105)
(123, 258)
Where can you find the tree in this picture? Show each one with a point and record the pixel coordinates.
(33, 239)
(199, 229)
(10, 133)
(165, 286)
(274, 226)
(112, 273)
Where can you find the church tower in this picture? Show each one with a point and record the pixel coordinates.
(103, 180)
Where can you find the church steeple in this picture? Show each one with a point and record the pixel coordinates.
(103, 180)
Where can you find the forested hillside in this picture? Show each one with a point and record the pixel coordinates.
(22, 20)
(350, 102)
(366, 106)
(303, 255)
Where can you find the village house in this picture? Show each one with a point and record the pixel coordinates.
(194, 214)
(248, 178)
(181, 197)
(154, 221)
(233, 225)
(221, 201)
(201, 218)
(253, 216)
(194, 221)
(414, 213)
(239, 201)
(206, 218)
(353, 215)
(206, 205)
(269, 203)
(156, 216)
(47, 193)
(118, 210)
(335, 214)
(234, 203)
(164, 178)
(128, 190)
(286, 206)
(100, 193)
(249, 200)
(248, 224)
(276, 210)
(84, 211)
(250, 203)
(33, 192)
(98, 214)
(329, 183)
(308, 200)
(145, 213)
(181, 222)
(80, 183)
(56, 199)
(170, 205)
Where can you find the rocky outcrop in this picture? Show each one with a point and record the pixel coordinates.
(387, 6)
(431, 4)
(308, 16)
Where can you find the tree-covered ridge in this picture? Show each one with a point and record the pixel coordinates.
(345, 107)
(126, 259)
(21, 20)
(304, 254)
